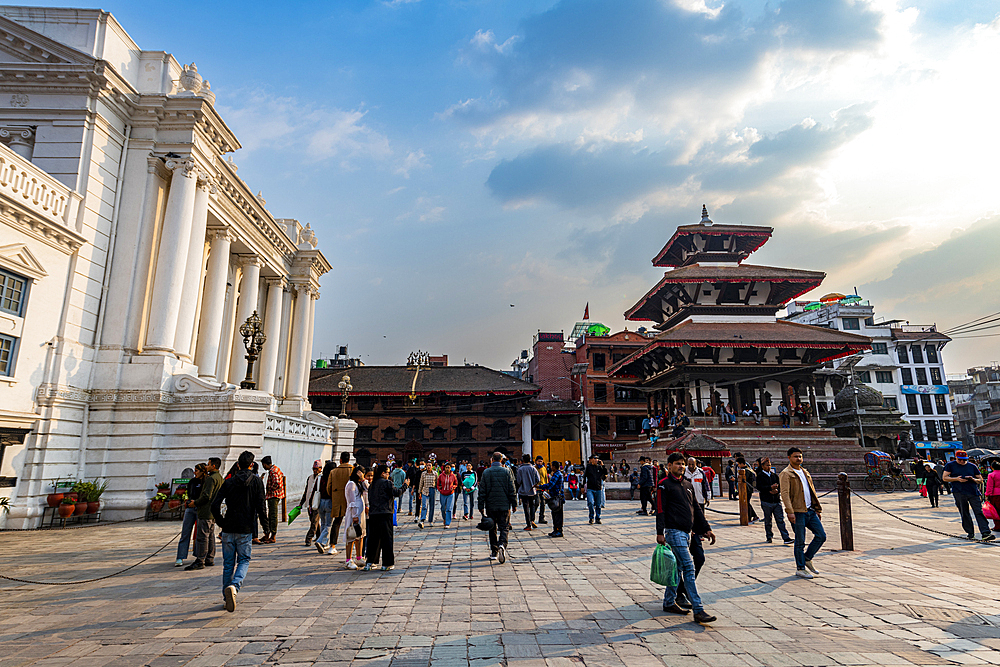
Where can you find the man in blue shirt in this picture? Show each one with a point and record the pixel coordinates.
(965, 479)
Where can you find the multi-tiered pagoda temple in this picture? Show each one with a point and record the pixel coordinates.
(719, 332)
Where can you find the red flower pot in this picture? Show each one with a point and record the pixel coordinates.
(53, 499)
(66, 511)
(156, 505)
(94, 507)
(173, 504)
(81, 508)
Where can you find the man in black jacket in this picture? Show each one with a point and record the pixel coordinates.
(594, 475)
(677, 516)
(243, 494)
(647, 481)
(770, 501)
(497, 499)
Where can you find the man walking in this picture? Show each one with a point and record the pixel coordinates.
(497, 499)
(769, 486)
(335, 485)
(965, 479)
(749, 481)
(527, 481)
(310, 501)
(428, 484)
(677, 516)
(274, 493)
(594, 475)
(204, 541)
(447, 485)
(731, 480)
(798, 495)
(647, 482)
(413, 474)
(325, 504)
(543, 476)
(243, 494)
(398, 478)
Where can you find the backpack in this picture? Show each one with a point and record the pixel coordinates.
(469, 482)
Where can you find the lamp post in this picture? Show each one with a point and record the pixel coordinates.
(253, 340)
(346, 388)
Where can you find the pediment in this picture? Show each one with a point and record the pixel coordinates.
(18, 257)
(20, 44)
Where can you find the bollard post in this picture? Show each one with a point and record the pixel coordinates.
(846, 524)
(744, 501)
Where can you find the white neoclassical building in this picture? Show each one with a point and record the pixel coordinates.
(130, 253)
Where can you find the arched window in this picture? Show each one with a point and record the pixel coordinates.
(389, 434)
(500, 430)
(437, 433)
(463, 431)
(414, 430)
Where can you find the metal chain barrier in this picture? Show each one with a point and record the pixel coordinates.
(917, 525)
(709, 509)
(88, 581)
(96, 524)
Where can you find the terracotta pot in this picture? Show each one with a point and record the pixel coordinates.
(73, 495)
(53, 499)
(94, 507)
(81, 508)
(156, 505)
(173, 504)
(65, 511)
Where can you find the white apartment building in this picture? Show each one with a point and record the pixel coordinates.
(905, 365)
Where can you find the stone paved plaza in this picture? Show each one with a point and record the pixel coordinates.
(905, 597)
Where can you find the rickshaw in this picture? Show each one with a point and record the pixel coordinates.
(879, 466)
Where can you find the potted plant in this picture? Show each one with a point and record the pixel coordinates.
(66, 507)
(157, 503)
(163, 487)
(94, 497)
(53, 499)
(175, 501)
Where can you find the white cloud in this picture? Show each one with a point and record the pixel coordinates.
(413, 160)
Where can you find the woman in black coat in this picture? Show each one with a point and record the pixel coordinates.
(380, 497)
(933, 482)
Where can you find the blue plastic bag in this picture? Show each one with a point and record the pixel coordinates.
(663, 569)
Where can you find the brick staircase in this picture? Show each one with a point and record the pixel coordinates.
(825, 454)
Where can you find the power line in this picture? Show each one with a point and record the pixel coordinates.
(971, 322)
(974, 329)
(979, 336)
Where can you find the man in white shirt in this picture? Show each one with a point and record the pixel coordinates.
(798, 495)
(696, 476)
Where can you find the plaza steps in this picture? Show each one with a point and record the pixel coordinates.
(825, 454)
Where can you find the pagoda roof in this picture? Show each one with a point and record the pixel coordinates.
(699, 445)
(398, 381)
(800, 282)
(748, 239)
(778, 334)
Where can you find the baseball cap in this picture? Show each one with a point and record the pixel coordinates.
(961, 454)
(317, 464)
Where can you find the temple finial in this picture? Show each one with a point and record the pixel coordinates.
(705, 220)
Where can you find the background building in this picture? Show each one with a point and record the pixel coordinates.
(130, 254)
(976, 398)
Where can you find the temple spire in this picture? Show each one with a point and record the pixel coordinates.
(705, 220)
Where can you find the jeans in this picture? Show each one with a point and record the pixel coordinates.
(427, 504)
(468, 503)
(698, 556)
(395, 509)
(811, 521)
(204, 543)
(190, 517)
(411, 493)
(447, 507)
(325, 511)
(732, 489)
(769, 510)
(235, 558)
(595, 501)
(680, 542)
(501, 526)
(965, 503)
(529, 503)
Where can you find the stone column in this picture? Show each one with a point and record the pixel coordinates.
(175, 239)
(213, 305)
(247, 304)
(272, 329)
(313, 298)
(299, 340)
(195, 266)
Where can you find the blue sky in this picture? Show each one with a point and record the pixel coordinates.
(457, 157)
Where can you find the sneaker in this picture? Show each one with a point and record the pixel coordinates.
(541, 521)
(332, 551)
(703, 617)
(420, 524)
(554, 534)
(558, 534)
(527, 528)
(989, 538)
(209, 563)
(320, 548)
(351, 565)
(502, 555)
(788, 542)
(768, 540)
(367, 567)
(255, 541)
(535, 525)
(229, 595)
(811, 568)
(197, 565)
(409, 514)
(591, 521)
(674, 609)
(641, 512)
(805, 574)
(683, 603)
(493, 556)
(598, 521)
(385, 568)
(178, 562)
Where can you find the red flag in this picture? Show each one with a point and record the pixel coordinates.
(586, 312)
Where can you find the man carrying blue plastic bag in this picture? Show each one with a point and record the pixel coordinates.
(677, 515)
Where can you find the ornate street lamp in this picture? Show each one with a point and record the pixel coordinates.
(253, 340)
(345, 391)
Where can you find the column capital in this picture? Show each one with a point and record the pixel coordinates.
(303, 289)
(223, 234)
(248, 260)
(279, 281)
(186, 166)
(207, 183)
